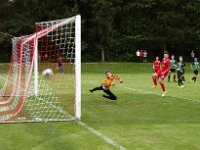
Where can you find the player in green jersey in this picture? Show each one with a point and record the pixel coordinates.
(172, 68)
(195, 67)
(180, 72)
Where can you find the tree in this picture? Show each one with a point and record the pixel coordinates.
(111, 30)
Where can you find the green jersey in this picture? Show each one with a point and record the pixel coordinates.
(195, 66)
(172, 64)
(180, 67)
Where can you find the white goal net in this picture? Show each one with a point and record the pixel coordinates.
(32, 95)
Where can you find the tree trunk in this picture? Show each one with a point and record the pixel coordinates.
(102, 55)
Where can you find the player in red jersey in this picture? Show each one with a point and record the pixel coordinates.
(162, 73)
(156, 64)
(156, 67)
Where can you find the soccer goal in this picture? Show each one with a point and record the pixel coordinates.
(30, 96)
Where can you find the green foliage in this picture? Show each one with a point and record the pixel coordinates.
(118, 27)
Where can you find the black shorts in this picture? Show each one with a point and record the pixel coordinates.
(173, 70)
(196, 72)
(179, 74)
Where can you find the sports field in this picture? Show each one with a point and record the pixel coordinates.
(139, 120)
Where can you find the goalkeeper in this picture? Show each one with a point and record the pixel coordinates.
(106, 85)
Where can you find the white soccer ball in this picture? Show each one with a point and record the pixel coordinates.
(47, 72)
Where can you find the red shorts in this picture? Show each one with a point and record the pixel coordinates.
(156, 70)
(162, 75)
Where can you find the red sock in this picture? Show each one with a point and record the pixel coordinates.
(154, 81)
(163, 86)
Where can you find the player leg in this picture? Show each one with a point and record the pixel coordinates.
(96, 88)
(178, 76)
(180, 83)
(62, 70)
(109, 95)
(169, 76)
(155, 78)
(179, 79)
(196, 73)
(195, 76)
(183, 78)
(182, 75)
(59, 69)
(174, 75)
(162, 84)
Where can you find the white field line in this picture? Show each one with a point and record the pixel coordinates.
(148, 92)
(110, 141)
(105, 138)
(97, 133)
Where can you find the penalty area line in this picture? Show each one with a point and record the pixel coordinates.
(99, 134)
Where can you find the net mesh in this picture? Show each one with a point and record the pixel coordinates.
(55, 100)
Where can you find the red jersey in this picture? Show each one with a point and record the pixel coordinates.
(156, 65)
(141, 54)
(165, 65)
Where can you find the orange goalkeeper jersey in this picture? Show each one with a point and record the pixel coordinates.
(106, 83)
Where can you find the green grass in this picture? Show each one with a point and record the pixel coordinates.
(138, 120)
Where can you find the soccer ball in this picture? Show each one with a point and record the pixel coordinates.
(47, 72)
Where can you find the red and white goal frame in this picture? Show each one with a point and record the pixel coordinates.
(27, 96)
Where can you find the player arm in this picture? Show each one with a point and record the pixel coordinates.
(166, 70)
(175, 66)
(118, 78)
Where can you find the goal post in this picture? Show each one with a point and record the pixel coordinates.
(78, 65)
(28, 95)
(35, 59)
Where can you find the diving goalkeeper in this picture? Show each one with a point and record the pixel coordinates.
(106, 85)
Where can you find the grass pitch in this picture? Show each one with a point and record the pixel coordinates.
(140, 118)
